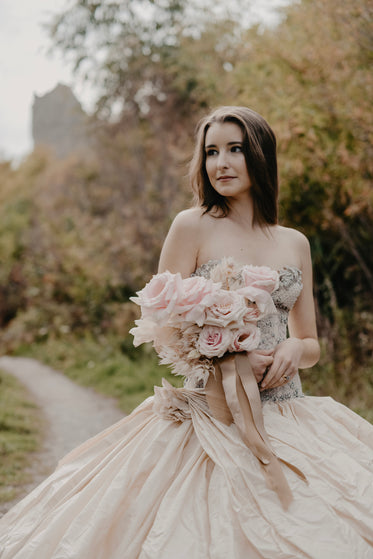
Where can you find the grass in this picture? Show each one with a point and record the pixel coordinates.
(356, 393)
(110, 365)
(114, 367)
(20, 435)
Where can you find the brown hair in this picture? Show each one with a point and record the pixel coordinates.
(259, 148)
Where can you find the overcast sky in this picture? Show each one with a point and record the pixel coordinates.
(26, 69)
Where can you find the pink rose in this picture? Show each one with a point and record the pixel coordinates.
(260, 297)
(214, 341)
(261, 277)
(259, 283)
(228, 307)
(245, 339)
(196, 294)
(252, 314)
(159, 296)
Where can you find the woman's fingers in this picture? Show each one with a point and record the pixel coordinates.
(264, 351)
(266, 363)
(278, 374)
(275, 372)
(260, 361)
(286, 359)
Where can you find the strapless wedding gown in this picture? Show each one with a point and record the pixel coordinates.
(164, 483)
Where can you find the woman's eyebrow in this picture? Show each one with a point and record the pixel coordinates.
(228, 144)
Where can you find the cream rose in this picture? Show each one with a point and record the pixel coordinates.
(228, 307)
(214, 341)
(261, 277)
(245, 339)
(196, 295)
(252, 314)
(260, 297)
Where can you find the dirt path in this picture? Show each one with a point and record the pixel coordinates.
(72, 413)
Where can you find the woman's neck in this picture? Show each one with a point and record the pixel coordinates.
(241, 211)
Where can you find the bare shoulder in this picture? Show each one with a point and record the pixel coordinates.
(296, 243)
(180, 249)
(293, 236)
(192, 225)
(188, 219)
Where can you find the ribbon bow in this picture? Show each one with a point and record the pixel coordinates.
(233, 396)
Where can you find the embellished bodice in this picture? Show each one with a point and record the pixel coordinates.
(273, 327)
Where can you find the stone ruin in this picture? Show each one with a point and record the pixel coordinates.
(60, 124)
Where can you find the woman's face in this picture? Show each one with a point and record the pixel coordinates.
(225, 161)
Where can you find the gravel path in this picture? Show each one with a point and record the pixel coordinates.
(72, 413)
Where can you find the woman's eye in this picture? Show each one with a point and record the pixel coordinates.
(210, 152)
(236, 149)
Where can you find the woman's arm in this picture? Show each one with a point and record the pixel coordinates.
(302, 319)
(181, 246)
(302, 348)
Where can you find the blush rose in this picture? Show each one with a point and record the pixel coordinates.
(197, 294)
(214, 341)
(228, 307)
(158, 298)
(246, 339)
(261, 277)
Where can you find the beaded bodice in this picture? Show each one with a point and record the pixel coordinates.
(274, 327)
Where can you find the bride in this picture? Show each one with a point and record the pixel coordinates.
(238, 464)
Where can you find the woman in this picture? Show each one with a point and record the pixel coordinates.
(207, 471)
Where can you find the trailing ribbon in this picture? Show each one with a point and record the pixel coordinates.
(233, 396)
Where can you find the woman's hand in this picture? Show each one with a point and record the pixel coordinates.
(286, 359)
(260, 360)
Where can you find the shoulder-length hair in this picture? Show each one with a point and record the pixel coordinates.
(259, 149)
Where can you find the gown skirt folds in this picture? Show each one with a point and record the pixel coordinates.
(172, 481)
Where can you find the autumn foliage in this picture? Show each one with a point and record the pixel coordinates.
(79, 236)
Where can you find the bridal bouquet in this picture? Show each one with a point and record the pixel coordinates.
(191, 321)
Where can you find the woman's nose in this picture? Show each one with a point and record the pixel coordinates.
(222, 160)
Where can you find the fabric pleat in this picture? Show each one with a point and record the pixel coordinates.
(153, 488)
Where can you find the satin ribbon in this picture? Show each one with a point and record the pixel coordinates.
(233, 396)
